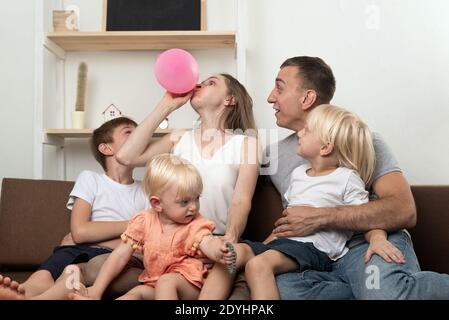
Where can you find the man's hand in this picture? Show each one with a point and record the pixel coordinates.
(385, 249)
(270, 238)
(299, 221)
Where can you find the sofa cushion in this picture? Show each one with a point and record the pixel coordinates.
(33, 219)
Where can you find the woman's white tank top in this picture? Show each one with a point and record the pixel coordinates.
(219, 175)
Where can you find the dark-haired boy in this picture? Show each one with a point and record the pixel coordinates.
(100, 206)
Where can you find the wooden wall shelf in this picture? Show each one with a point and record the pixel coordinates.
(87, 133)
(142, 40)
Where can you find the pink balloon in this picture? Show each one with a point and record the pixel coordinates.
(176, 70)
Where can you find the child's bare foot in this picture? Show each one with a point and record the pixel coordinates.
(77, 296)
(81, 294)
(11, 290)
(230, 258)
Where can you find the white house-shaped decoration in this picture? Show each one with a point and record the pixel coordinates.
(111, 112)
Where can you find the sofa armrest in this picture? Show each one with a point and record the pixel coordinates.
(33, 219)
(431, 234)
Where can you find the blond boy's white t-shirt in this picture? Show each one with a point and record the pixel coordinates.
(342, 187)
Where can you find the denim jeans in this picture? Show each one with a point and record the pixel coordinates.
(351, 278)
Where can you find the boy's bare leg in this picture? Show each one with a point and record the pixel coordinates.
(39, 282)
(141, 292)
(10, 290)
(219, 282)
(173, 286)
(261, 270)
(125, 281)
(68, 281)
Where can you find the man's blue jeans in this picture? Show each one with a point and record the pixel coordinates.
(351, 278)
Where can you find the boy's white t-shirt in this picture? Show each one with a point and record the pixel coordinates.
(110, 200)
(340, 188)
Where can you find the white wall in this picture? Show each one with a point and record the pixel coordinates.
(390, 59)
(126, 79)
(16, 88)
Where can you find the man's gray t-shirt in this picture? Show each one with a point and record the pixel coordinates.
(287, 160)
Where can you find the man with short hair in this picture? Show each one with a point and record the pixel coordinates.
(302, 84)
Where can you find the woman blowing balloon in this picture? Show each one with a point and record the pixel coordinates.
(227, 160)
(214, 148)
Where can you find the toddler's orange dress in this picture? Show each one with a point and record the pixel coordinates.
(174, 251)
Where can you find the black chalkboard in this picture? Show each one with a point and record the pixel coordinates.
(144, 15)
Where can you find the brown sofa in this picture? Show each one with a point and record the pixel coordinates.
(33, 219)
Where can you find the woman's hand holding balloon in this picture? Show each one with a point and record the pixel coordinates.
(175, 101)
(176, 70)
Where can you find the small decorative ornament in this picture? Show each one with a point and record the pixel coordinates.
(111, 112)
(65, 20)
(78, 116)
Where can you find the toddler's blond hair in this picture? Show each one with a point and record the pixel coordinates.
(165, 169)
(349, 135)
